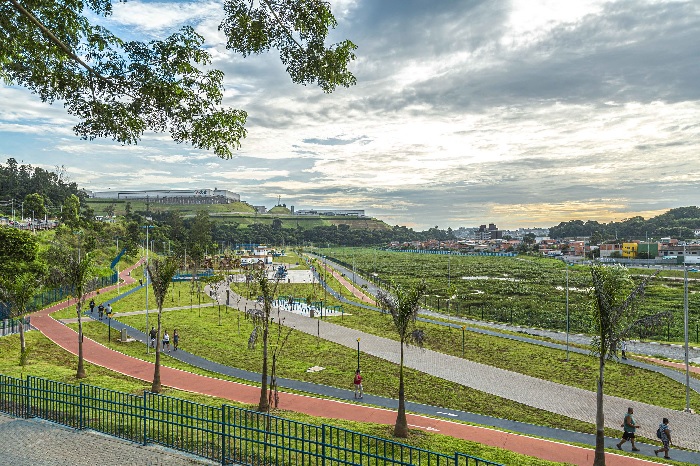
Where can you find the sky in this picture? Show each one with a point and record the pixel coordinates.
(521, 113)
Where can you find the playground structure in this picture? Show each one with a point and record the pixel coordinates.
(303, 307)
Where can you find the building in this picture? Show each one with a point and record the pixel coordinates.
(171, 196)
(331, 212)
(491, 233)
(689, 253)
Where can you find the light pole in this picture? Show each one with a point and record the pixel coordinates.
(685, 319)
(567, 312)
(145, 272)
(449, 272)
(358, 354)
(464, 327)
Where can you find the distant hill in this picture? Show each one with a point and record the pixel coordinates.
(240, 214)
(680, 222)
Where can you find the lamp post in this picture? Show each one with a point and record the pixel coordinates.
(145, 272)
(464, 327)
(685, 319)
(567, 312)
(358, 354)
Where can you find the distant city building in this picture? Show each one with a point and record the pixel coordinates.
(491, 232)
(171, 196)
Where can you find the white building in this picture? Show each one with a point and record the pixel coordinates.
(171, 196)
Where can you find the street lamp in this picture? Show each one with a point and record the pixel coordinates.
(567, 312)
(358, 354)
(685, 319)
(464, 327)
(145, 272)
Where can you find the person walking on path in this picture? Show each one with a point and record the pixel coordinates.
(357, 381)
(100, 310)
(92, 305)
(623, 349)
(153, 334)
(176, 339)
(108, 309)
(166, 341)
(664, 433)
(630, 427)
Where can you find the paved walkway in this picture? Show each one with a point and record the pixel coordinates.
(35, 442)
(98, 354)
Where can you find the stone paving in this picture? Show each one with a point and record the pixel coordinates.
(35, 442)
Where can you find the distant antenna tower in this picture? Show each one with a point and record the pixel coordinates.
(279, 200)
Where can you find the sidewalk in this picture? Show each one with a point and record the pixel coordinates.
(182, 380)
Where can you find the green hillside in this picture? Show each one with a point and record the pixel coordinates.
(238, 213)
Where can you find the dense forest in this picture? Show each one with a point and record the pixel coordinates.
(19, 181)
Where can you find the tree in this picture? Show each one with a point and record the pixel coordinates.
(615, 318)
(20, 273)
(161, 272)
(70, 213)
(403, 305)
(261, 321)
(34, 205)
(72, 265)
(120, 89)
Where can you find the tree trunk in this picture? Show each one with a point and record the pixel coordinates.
(22, 342)
(599, 459)
(156, 386)
(80, 374)
(401, 427)
(263, 405)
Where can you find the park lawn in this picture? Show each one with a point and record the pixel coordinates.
(49, 361)
(537, 361)
(227, 344)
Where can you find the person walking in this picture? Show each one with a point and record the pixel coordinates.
(153, 335)
(664, 433)
(176, 339)
(623, 349)
(108, 309)
(100, 310)
(630, 427)
(357, 381)
(166, 341)
(92, 305)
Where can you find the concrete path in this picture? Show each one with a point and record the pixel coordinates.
(35, 442)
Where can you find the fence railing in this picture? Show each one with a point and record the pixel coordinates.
(226, 434)
(43, 299)
(10, 326)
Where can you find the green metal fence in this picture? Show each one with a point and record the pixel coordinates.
(226, 434)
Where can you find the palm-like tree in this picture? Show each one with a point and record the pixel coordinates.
(403, 305)
(161, 273)
(615, 318)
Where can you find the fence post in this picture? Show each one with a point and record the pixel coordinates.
(223, 434)
(25, 382)
(323, 445)
(145, 416)
(80, 409)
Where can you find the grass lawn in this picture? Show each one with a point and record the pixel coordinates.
(49, 361)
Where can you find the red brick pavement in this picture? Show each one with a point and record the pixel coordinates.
(100, 355)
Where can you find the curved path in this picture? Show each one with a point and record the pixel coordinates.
(100, 355)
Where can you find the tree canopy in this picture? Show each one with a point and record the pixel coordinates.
(120, 89)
